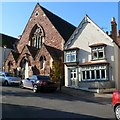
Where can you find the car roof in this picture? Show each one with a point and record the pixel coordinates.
(4, 72)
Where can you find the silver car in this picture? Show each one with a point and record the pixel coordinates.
(39, 83)
(6, 78)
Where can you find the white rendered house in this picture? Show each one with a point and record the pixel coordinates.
(90, 58)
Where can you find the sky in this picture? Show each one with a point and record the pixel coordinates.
(15, 15)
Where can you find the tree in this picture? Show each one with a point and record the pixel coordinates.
(57, 72)
(57, 69)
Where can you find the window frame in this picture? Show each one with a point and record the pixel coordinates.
(69, 55)
(97, 50)
(94, 68)
(37, 38)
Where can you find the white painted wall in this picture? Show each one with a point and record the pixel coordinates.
(88, 35)
(118, 70)
(66, 76)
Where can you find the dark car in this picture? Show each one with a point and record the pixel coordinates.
(39, 83)
(116, 103)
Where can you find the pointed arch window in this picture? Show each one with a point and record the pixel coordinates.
(42, 62)
(10, 66)
(37, 37)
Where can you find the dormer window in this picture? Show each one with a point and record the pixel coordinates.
(98, 51)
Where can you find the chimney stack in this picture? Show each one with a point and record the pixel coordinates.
(119, 33)
(114, 29)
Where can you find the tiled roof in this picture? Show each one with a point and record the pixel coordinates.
(74, 48)
(64, 28)
(15, 55)
(92, 63)
(7, 41)
(118, 40)
(54, 52)
(32, 50)
(97, 44)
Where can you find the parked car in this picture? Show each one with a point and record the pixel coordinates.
(39, 83)
(7, 78)
(116, 103)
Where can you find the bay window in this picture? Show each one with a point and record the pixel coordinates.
(94, 73)
(98, 52)
(70, 56)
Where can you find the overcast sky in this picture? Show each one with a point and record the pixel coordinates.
(15, 15)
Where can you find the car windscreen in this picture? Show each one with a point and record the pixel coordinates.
(9, 74)
(43, 77)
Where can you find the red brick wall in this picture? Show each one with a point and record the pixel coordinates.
(23, 54)
(43, 52)
(10, 58)
(52, 37)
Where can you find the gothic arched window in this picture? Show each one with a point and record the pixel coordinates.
(37, 37)
(10, 66)
(42, 62)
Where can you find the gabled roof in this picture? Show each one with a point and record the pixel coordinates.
(15, 55)
(56, 54)
(32, 50)
(63, 27)
(118, 40)
(7, 41)
(85, 20)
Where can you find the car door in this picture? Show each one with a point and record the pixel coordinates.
(2, 77)
(29, 82)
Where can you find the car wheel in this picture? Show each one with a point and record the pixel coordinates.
(6, 83)
(117, 112)
(35, 89)
(21, 85)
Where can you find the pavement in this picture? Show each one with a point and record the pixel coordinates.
(83, 93)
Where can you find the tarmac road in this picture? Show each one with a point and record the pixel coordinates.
(24, 104)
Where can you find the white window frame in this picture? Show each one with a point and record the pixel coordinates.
(98, 50)
(69, 55)
(94, 68)
(75, 77)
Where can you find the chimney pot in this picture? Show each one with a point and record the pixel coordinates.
(114, 29)
(113, 19)
(107, 32)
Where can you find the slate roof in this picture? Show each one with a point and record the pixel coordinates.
(118, 41)
(15, 55)
(32, 50)
(55, 53)
(7, 41)
(97, 44)
(92, 63)
(64, 28)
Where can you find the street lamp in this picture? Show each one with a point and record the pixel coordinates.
(4, 55)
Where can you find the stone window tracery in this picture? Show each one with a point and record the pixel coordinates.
(37, 38)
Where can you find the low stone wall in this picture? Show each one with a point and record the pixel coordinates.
(97, 84)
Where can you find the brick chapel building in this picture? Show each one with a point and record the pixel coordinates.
(40, 44)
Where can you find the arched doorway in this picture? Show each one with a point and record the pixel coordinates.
(10, 66)
(24, 64)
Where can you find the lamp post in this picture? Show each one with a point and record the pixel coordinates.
(4, 55)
